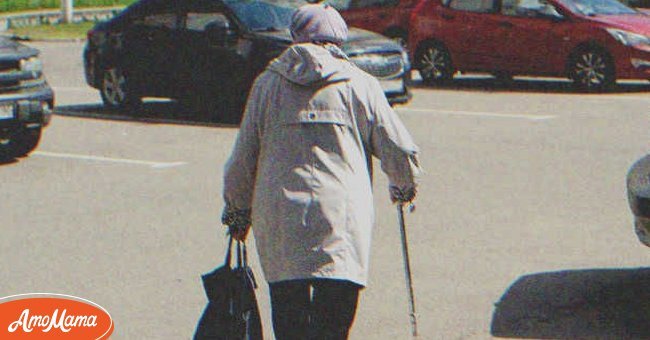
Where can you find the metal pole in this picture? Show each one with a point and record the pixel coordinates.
(66, 11)
(407, 270)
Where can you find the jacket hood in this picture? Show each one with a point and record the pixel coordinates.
(309, 64)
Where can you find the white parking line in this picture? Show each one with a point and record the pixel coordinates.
(622, 97)
(155, 165)
(480, 114)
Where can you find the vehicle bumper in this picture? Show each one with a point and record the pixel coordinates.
(31, 107)
(633, 63)
(396, 89)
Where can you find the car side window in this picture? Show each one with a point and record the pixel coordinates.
(198, 22)
(479, 6)
(159, 20)
(527, 8)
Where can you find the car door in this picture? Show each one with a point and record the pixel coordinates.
(373, 15)
(534, 35)
(209, 66)
(473, 26)
(148, 40)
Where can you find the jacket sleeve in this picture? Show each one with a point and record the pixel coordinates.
(389, 140)
(241, 168)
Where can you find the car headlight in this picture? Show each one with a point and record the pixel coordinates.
(32, 64)
(628, 38)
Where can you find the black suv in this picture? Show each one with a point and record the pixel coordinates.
(210, 51)
(26, 100)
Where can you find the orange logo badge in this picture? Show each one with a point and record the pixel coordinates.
(53, 316)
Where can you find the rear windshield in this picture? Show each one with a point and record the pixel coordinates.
(265, 15)
(598, 7)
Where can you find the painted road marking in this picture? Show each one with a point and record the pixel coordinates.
(155, 165)
(622, 97)
(480, 114)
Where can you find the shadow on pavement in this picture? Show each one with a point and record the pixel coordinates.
(576, 304)
(7, 161)
(151, 112)
(488, 83)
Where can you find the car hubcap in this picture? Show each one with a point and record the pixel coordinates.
(434, 63)
(590, 69)
(114, 82)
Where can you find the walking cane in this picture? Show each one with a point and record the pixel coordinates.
(407, 269)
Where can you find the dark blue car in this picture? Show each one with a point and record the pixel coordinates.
(208, 52)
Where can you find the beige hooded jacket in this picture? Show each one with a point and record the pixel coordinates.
(302, 164)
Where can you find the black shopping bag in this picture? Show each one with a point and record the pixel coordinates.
(232, 312)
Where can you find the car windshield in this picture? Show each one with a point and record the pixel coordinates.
(265, 15)
(598, 7)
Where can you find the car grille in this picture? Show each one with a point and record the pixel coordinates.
(8, 84)
(381, 66)
(9, 65)
(13, 79)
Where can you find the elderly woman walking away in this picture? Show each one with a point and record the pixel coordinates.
(300, 174)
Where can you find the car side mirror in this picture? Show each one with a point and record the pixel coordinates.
(219, 32)
(544, 12)
(550, 12)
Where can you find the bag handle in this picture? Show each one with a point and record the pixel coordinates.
(239, 255)
(228, 259)
(242, 253)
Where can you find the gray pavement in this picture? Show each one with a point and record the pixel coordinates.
(521, 229)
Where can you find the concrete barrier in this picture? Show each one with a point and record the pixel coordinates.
(51, 17)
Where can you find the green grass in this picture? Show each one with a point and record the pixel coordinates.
(26, 5)
(61, 31)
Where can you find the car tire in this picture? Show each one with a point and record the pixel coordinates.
(115, 91)
(434, 63)
(21, 143)
(592, 70)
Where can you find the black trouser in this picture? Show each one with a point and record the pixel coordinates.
(313, 309)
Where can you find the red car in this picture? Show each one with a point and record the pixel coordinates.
(592, 42)
(388, 17)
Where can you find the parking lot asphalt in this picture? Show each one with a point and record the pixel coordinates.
(521, 230)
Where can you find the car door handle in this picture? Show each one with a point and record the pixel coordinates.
(506, 24)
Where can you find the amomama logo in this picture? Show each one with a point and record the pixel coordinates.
(53, 316)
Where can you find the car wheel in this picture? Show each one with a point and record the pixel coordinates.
(592, 70)
(20, 144)
(115, 91)
(434, 63)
